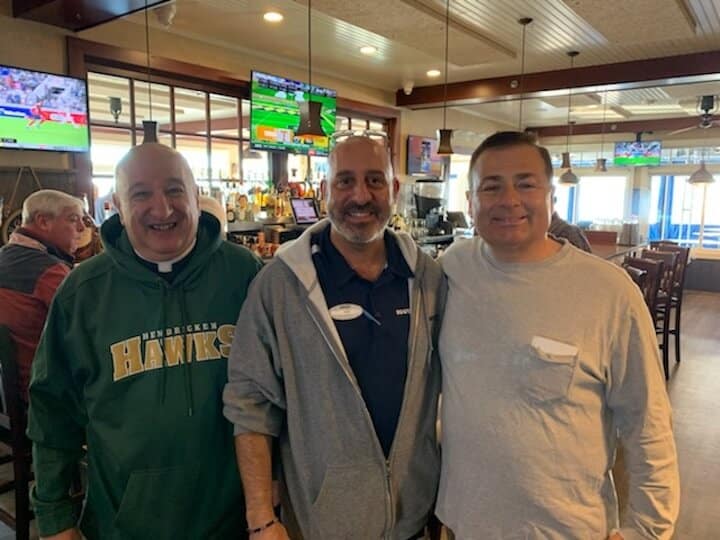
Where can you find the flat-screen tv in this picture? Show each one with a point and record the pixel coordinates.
(422, 156)
(43, 111)
(275, 115)
(637, 153)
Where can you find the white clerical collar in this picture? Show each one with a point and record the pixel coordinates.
(165, 267)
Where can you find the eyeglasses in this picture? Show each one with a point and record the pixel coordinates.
(340, 136)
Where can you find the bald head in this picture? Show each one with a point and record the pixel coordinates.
(148, 153)
(365, 145)
(157, 199)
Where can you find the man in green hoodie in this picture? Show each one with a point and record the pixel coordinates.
(132, 363)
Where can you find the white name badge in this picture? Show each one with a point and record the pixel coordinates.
(346, 312)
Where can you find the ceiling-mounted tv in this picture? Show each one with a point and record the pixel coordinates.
(637, 153)
(275, 115)
(422, 157)
(43, 111)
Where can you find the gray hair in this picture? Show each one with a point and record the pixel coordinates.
(332, 158)
(48, 201)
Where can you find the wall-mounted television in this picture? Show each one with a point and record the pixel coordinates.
(637, 153)
(43, 111)
(422, 156)
(275, 115)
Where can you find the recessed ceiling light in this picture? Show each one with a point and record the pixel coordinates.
(273, 17)
(368, 50)
(433, 73)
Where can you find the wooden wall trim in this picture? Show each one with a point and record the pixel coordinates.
(617, 76)
(662, 124)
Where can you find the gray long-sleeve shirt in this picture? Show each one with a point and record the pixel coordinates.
(543, 365)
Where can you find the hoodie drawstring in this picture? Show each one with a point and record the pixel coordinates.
(187, 369)
(163, 319)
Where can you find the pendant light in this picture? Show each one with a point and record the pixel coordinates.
(601, 162)
(569, 177)
(444, 134)
(524, 22)
(310, 110)
(150, 127)
(701, 176)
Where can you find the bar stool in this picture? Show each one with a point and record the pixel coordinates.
(653, 274)
(676, 299)
(664, 306)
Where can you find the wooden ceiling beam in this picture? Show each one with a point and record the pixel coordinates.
(618, 76)
(663, 124)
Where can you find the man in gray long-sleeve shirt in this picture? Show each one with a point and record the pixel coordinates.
(548, 355)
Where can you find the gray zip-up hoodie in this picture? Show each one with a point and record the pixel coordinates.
(289, 377)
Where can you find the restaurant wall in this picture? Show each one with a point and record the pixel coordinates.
(469, 130)
(163, 43)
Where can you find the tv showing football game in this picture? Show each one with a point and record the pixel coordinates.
(43, 111)
(275, 115)
(637, 153)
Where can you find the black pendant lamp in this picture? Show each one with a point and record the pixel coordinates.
(569, 177)
(523, 22)
(444, 134)
(150, 127)
(601, 162)
(310, 110)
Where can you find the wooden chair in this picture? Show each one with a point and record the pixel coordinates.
(13, 421)
(654, 270)
(676, 299)
(638, 275)
(664, 306)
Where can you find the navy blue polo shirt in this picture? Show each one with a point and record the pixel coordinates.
(373, 321)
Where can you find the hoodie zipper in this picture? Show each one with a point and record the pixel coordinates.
(387, 462)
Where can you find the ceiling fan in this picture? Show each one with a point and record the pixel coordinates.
(707, 107)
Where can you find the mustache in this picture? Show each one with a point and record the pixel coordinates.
(369, 207)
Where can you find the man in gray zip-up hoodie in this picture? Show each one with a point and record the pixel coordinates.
(334, 356)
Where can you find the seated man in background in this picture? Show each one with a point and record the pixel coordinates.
(560, 228)
(32, 265)
(549, 355)
(133, 361)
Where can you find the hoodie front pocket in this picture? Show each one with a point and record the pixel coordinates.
(351, 503)
(156, 504)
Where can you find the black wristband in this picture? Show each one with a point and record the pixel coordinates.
(269, 524)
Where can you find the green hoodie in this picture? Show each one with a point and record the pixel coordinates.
(111, 371)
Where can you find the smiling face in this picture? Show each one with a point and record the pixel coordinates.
(361, 190)
(157, 200)
(511, 203)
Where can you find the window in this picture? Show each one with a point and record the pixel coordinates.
(683, 212)
(601, 199)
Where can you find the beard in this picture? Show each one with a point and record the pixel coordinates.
(359, 233)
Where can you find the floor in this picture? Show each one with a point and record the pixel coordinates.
(694, 389)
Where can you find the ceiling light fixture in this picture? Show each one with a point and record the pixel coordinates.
(432, 73)
(445, 134)
(569, 177)
(524, 22)
(310, 121)
(273, 17)
(150, 127)
(368, 50)
(701, 176)
(601, 162)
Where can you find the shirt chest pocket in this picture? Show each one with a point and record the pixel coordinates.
(549, 370)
